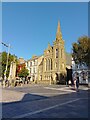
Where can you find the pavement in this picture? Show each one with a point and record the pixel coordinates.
(44, 101)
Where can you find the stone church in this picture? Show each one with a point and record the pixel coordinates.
(52, 68)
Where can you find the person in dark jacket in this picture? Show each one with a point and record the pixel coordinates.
(77, 82)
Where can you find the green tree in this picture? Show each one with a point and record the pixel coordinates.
(4, 60)
(81, 51)
(23, 72)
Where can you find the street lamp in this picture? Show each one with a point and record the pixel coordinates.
(7, 58)
(7, 62)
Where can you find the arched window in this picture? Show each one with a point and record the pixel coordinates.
(51, 64)
(61, 53)
(56, 53)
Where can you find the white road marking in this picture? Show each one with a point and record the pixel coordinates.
(62, 89)
(65, 89)
(42, 110)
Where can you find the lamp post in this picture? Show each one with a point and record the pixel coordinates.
(6, 61)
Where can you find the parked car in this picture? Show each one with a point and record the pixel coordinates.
(18, 81)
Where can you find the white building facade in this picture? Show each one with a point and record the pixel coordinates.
(32, 66)
(82, 70)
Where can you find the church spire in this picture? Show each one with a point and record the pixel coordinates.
(58, 34)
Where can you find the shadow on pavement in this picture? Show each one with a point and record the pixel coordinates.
(27, 98)
(33, 97)
(40, 102)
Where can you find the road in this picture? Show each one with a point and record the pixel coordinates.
(40, 101)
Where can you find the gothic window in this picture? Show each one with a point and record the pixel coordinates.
(56, 53)
(61, 53)
(51, 64)
(40, 77)
(48, 65)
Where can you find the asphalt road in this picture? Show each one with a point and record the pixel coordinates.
(39, 101)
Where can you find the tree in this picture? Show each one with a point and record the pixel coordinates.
(3, 62)
(81, 51)
(23, 72)
(19, 68)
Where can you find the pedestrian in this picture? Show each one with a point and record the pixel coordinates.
(74, 79)
(77, 82)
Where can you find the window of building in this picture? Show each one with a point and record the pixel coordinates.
(30, 63)
(33, 70)
(61, 53)
(51, 64)
(30, 70)
(56, 53)
(27, 64)
(34, 62)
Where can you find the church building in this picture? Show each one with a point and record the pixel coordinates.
(53, 66)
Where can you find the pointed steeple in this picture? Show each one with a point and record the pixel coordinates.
(58, 34)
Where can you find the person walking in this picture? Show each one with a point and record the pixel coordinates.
(74, 79)
(77, 82)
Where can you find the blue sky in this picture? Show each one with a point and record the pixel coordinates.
(28, 27)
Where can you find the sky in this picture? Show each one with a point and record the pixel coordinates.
(29, 26)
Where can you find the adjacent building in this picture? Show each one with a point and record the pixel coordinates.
(82, 71)
(32, 66)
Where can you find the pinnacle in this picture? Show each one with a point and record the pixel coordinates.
(58, 34)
